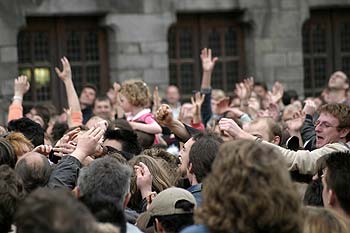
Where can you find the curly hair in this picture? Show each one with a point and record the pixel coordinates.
(160, 181)
(339, 111)
(136, 92)
(249, 190)
(324, 220)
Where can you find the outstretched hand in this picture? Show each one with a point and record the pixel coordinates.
(21, 85)
(208, 63)
(143, 179)
(87, 143)
(66, 73)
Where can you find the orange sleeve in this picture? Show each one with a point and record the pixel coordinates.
(77, 118)
(15, 112)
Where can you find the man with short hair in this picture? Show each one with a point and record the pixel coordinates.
(34, 169)
(106, 179)
(332, 134)
(335, 180)
(196, 158)
(87, 99)
(337, 86)
(170, 211)
(172, 98)
(103, 108)
(266, 129)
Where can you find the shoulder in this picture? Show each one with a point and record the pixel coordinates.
(196, 229)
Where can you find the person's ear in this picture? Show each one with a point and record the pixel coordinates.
(344, 132)
(332, 198)
(190, 168)
(126, 200)
(276, 140)
(76, 192)
(159, 227)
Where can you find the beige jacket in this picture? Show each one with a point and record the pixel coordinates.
(304, 160)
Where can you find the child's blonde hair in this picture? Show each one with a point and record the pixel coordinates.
(136, 92)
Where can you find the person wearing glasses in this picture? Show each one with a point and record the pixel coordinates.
(332, 134)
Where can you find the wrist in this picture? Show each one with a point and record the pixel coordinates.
(78, 154)
(17, 98)
(145, 192)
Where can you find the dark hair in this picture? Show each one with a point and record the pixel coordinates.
(313, 193)
(30, 129)
(288, 96)
(34, 173)
(7, 153)
(54, 211)
(103, 98)
(177, 222)
(11, 191)
(58, 130)
(44, 113)
(106, 176)
(338, 176)
(127, 138)
(261, 84)
(203, 153)
(91, 86)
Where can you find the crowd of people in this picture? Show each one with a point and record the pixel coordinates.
(252, 160)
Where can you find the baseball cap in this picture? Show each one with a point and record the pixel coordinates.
(165, 204)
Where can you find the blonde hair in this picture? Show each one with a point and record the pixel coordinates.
(136, 92)
(321, 220)
(17, 140)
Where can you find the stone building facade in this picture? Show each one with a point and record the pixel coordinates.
(138, 35)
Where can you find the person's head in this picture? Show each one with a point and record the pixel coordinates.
(216, 96)
(260, 89)
(338, 81)
(202, 155)
(34, 169)
(88, 95)
(134, 93)
(108, 177)
(103, 108)
(335, 180)
(7, 153)
(172, 94)
(160, 178)
(317, 219)
(333, 124)
(266, 129)
(123, 140)
(170, 211)
(20, 143)
(53, 210)
(289, 97)
(237, 193)
(40, 114)
(30, 129)
(11, 192)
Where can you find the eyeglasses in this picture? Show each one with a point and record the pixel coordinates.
(324, 125)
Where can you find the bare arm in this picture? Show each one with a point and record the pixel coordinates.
(66, 76)
(153, 128)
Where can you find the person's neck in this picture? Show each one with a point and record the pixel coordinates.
(337, 96)
(193, 180)
(136, 110)
(174, 105)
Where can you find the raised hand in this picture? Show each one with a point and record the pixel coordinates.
(43, 149)
(156, 99)
(21, 86)
(164, 115)
(244, 89)
(208, 62)
(310, 107)
(277, 92)
(66, 73)
(143, 179)
(197, 101)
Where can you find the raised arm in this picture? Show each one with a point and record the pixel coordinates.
(73, 101)
(208, 64)
(21, 86)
